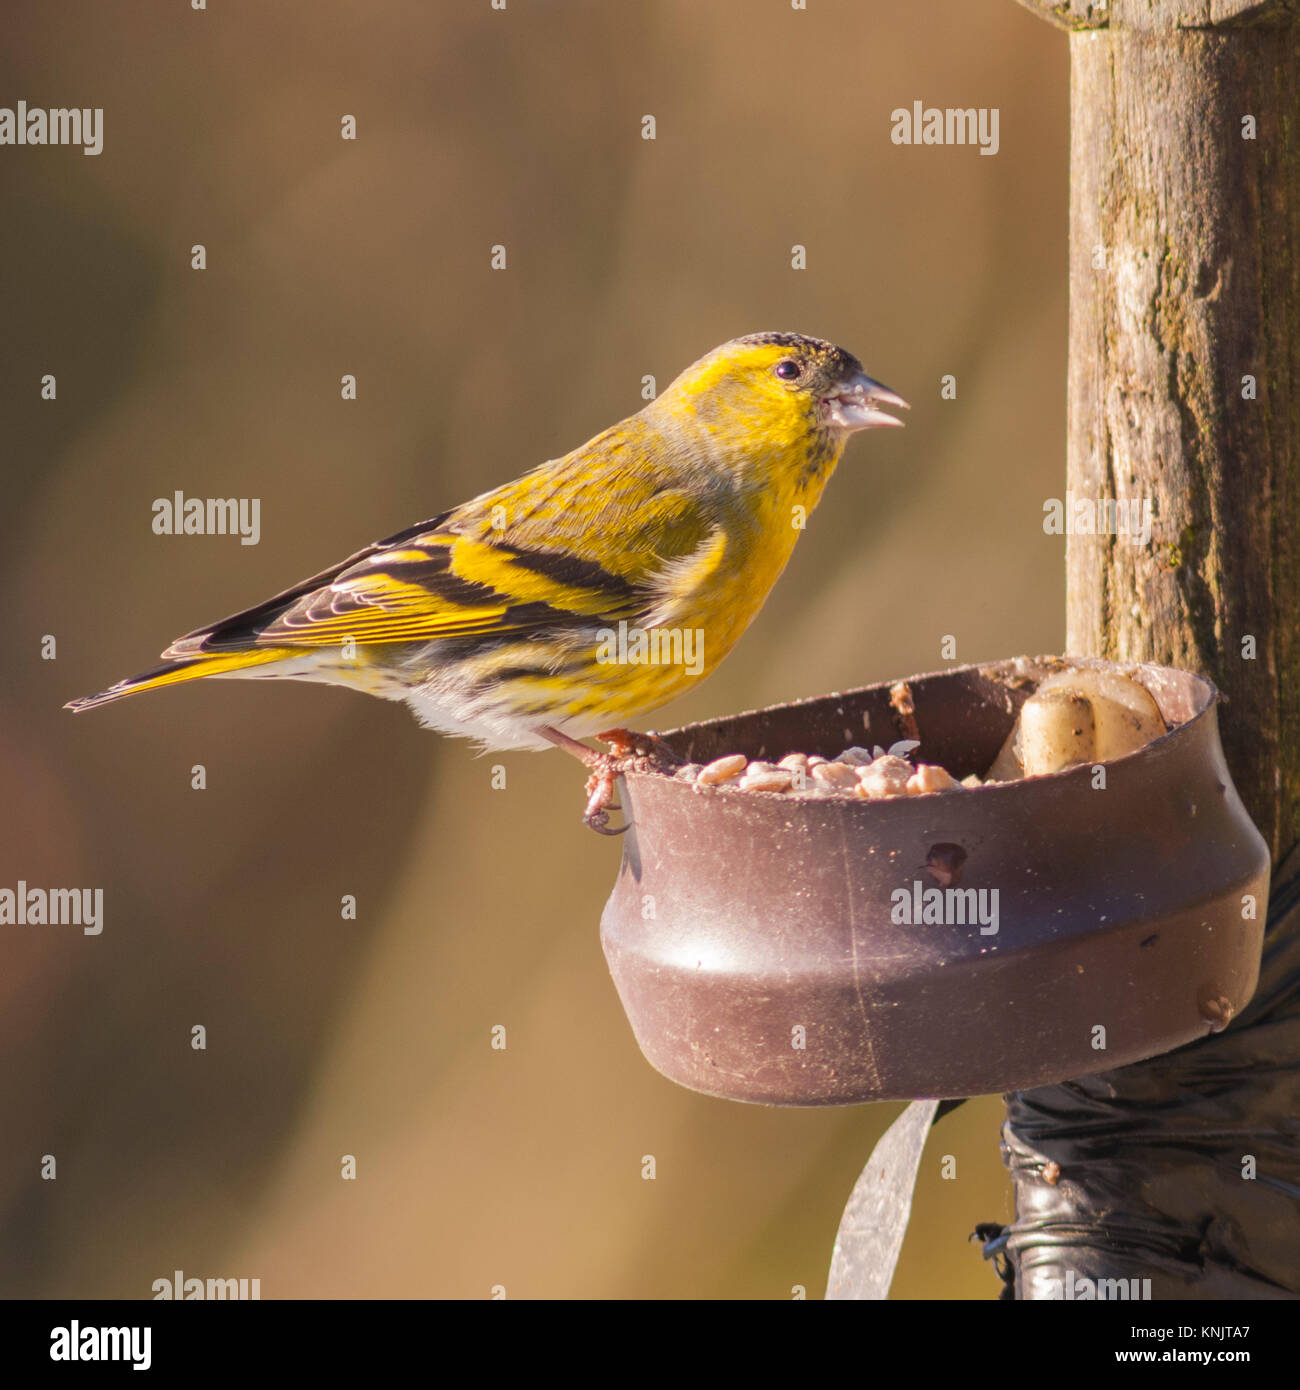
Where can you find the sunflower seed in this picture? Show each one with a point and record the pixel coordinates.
(771, 779)
(722, 770)
(885, 777)
(834, 775)
(930, 778)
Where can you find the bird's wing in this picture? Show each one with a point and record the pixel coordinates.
(458, 575)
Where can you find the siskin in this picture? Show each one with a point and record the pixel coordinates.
(497, 620)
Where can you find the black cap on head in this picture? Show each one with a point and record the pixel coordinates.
(827, 363)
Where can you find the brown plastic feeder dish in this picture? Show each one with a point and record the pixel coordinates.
(751, 939)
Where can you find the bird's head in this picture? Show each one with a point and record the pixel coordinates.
(779, 392)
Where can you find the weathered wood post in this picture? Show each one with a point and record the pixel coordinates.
(1183, 390)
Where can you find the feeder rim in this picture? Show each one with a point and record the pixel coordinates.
(1215, 697)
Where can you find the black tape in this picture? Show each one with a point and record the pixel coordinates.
(1181, 1175)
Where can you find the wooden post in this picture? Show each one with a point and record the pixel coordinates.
(1184, 383)
(1184, 391)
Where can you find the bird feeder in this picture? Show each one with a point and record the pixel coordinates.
(793, 950)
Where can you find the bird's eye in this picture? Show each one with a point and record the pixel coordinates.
(787, 370)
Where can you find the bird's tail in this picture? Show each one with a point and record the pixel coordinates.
(184, 669)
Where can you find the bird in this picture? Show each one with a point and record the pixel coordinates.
(537, 614)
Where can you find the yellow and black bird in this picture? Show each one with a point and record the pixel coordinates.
(493, 620)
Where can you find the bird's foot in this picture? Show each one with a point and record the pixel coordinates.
(600, 790)
(640, 752)
(628, 752)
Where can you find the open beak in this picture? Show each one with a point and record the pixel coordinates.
(854, 404)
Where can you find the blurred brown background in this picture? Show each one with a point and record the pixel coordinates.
(476, 907)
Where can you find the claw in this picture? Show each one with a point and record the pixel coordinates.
(600, 800)
(599, 823)
(629, 752)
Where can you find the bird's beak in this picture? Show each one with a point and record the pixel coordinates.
(853, 404)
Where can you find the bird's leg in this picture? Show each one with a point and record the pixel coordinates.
(600, 785)
(628, 752)
(587, 756)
